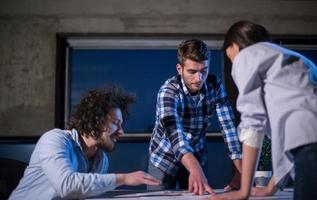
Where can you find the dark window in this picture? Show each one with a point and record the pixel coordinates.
(141, 71)
(139, 65)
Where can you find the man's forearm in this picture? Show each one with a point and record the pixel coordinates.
(120, 179)
(190, 162)
(197, 181)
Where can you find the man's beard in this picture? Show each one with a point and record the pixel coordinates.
(106, 146)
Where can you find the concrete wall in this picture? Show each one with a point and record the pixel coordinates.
(28, 43)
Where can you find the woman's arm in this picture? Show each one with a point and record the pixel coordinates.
(248, 168)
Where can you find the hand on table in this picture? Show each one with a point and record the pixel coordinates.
(260, 192)
(136, 178)
(198, 184)
(269, 190)
(235, 182)
(233, 195)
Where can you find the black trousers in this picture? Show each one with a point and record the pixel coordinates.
(305, 185)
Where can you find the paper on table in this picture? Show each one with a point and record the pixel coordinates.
(156, 193)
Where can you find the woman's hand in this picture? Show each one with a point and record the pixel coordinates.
(269, 190)
(233, 195)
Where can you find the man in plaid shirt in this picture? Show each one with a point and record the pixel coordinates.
(185, 104)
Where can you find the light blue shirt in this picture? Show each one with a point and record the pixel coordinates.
(59, 169)
(277, 97)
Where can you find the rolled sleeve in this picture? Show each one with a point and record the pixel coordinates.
(251, 138)
(168, 102)
(227, 124)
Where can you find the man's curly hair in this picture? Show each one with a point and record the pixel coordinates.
(89, 116)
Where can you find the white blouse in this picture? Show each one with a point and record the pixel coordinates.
(278, 97)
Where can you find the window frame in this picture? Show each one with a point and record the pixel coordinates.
(65, 41)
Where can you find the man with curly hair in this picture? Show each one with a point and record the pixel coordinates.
(72, 163)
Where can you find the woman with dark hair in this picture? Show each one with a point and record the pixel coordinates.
(277, 97)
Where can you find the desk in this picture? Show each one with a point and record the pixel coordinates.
(287, 194)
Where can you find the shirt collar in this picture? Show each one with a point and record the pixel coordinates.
(202, 91)
(75, 136)
(184, 86)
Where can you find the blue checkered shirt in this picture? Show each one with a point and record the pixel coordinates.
(181, 123)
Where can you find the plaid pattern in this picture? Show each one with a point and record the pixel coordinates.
(181, 123)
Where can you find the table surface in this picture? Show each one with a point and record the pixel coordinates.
(286, 194)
